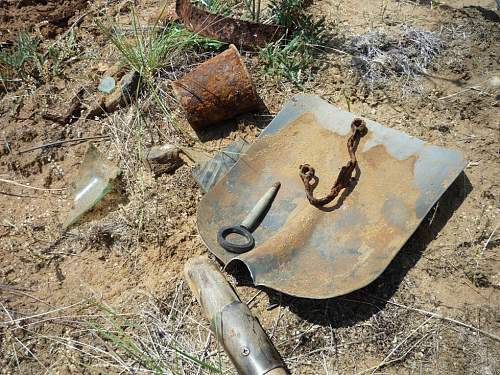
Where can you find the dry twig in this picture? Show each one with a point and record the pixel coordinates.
(385, 361)
(57, 143)
(442, 317)
(29, 187)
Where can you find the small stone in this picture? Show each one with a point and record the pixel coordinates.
(163, 154)
(123, 94)
(163, 159)
(107, 85)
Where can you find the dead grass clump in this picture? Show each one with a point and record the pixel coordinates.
(164, 337)
(403, 53)
(104, 235)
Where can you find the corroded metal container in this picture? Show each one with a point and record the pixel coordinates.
(217, 90)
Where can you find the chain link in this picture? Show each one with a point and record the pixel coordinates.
(311, 181)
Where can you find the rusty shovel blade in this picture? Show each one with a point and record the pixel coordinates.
(323, 252)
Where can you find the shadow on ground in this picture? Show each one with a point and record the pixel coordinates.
(360, 305)
(224, 130)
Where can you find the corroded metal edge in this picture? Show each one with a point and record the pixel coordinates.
(227, 29)
(444, 164)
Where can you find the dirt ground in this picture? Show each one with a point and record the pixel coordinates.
(50, 16)
(132, 249)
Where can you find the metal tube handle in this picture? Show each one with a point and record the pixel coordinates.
(239, 332)
(260, 208)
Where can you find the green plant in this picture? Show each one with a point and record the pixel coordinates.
(24, 61)
(290, 60)
(293, 57)
(60, 51)
(221, 7)
(150, 49)
(253, 7)
(286, 12)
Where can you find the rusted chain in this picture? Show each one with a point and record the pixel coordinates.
(310, 180)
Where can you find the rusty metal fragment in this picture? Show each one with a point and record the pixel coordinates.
(321, 253)
(217, 90)
(227, 29)
(310, 180)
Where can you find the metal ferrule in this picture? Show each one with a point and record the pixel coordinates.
(244, 340)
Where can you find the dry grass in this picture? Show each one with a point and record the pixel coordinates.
(162, 338)
(166, 336)
(403, 51)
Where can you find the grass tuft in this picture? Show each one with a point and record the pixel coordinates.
(293, 57)
(149, 49)
(124, 338)
(222, 7)
(404, 52)
(25, 62)
(163, 337)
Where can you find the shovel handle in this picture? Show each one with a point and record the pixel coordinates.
(234, 326)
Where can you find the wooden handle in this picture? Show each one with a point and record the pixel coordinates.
(238, 331)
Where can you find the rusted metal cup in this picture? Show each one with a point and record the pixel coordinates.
(217, 90)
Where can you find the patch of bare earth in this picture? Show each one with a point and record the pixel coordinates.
(50, 17)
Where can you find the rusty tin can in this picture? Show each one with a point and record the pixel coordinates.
(217, 90)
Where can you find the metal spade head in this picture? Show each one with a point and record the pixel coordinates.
(306, 251)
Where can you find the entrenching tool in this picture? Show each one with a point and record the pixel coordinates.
(234, 326)
(308, 249)
(248, 225)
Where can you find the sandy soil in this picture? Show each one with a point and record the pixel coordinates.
(50, 17)
(133, 248)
